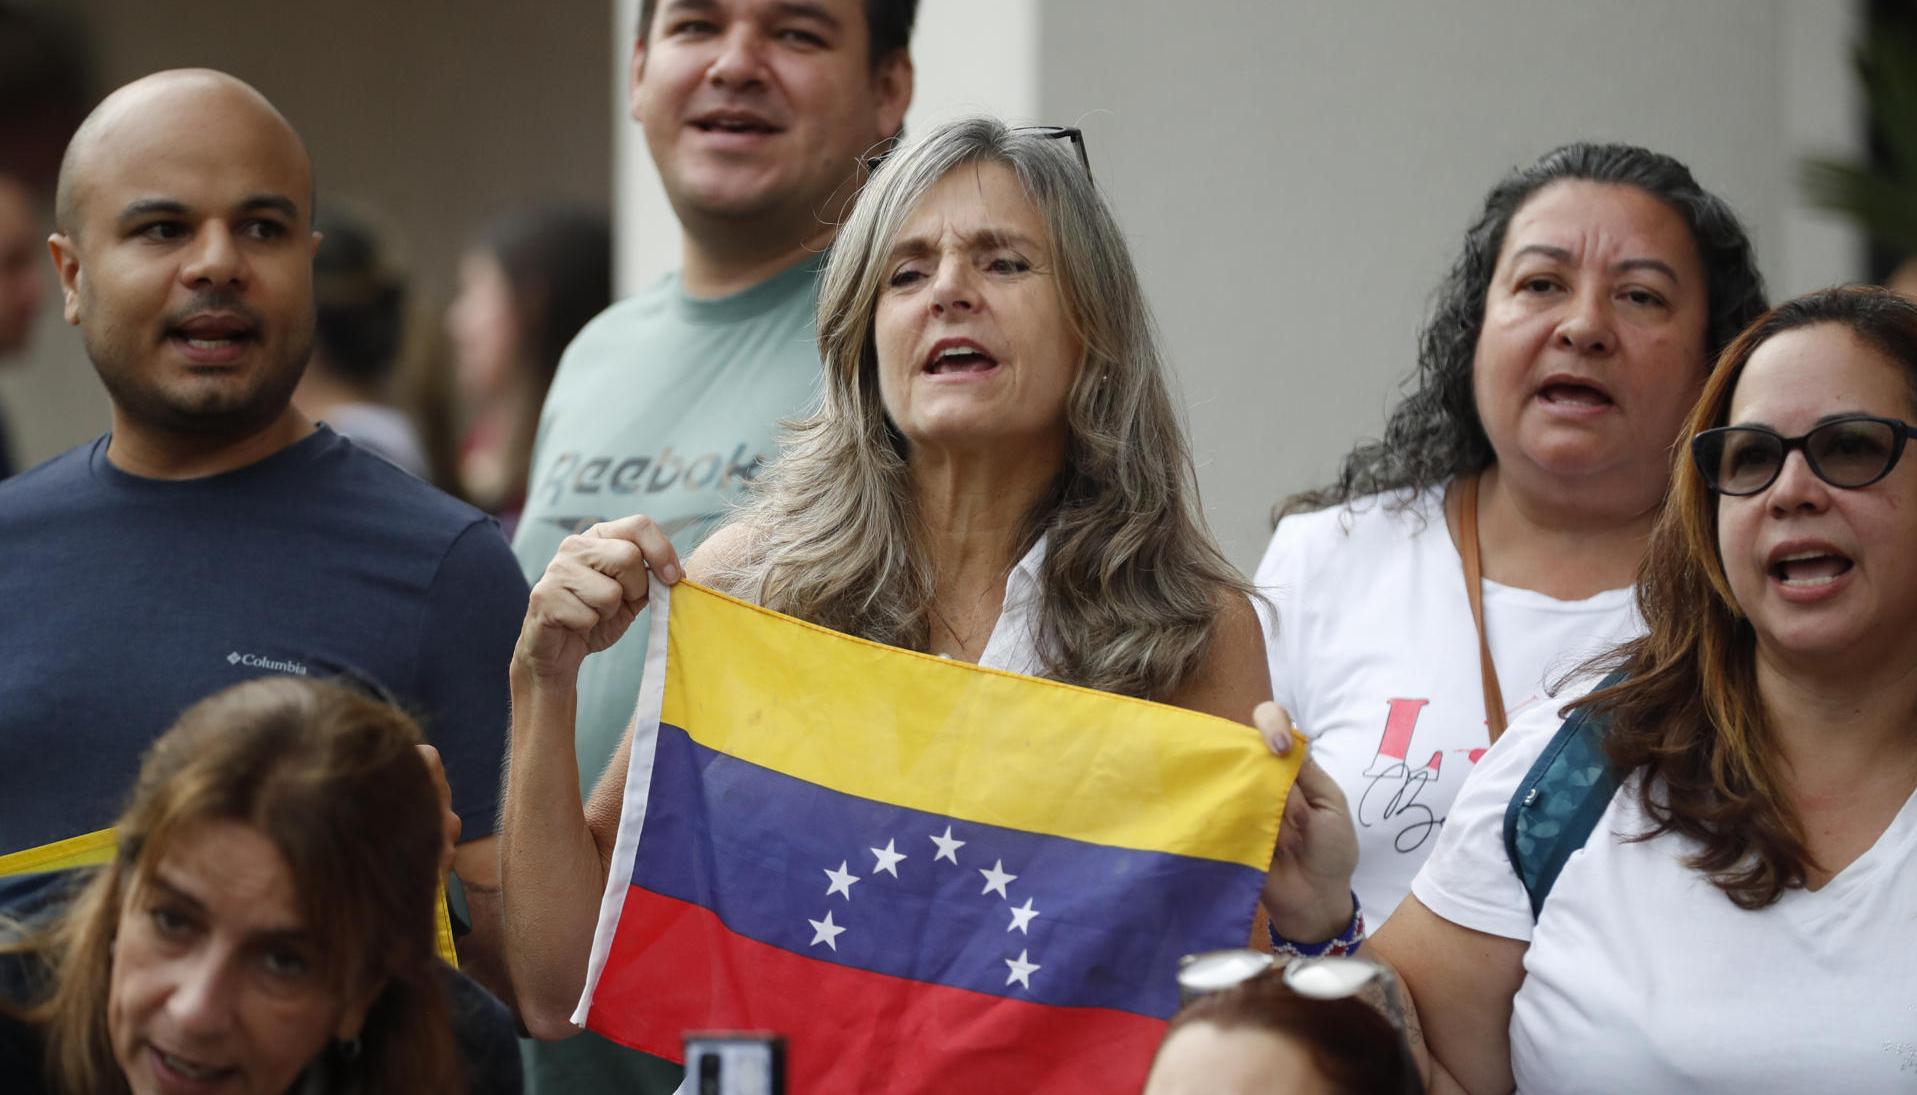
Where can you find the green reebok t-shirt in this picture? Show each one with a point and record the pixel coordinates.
(664, 405)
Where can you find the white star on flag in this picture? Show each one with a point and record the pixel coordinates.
(948, 848)
(996, 878)
(825, 931)
(1022, 916)
(1022, 969)
(889, 859)
(842, 880)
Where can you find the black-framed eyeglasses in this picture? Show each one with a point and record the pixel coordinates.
(1849, 452)
(1044, 132)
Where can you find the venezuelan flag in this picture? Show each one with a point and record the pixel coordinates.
(927, 876)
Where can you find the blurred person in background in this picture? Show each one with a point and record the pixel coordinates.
(423, 388)
(22, 282)
(359, 331)
(1488, 542)
(527, 286)
(46, 87)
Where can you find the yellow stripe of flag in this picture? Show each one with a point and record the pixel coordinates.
(86, 850)
(952, 739)
(95, 848)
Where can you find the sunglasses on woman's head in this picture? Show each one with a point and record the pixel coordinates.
(1043, 132)
(1328, 977)
(1852, 451)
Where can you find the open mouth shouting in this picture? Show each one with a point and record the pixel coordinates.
(957, 357)
(1807, 571)
(1574, 395)
(213, 338)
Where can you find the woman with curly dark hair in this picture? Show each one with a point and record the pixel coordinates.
(1512, 490)
(1738, 916)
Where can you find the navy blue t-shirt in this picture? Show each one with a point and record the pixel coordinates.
(124, 600)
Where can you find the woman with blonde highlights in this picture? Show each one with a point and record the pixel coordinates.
(996, 474)
(1738, 918)
(267, 924)
(846, 530)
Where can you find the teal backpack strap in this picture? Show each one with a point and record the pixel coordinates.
(1559, 802)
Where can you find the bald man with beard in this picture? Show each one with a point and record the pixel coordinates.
(215, 534)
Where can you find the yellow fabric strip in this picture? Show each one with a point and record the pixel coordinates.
(959, 741)
(443, 931)
(96, 848)
(75, 851)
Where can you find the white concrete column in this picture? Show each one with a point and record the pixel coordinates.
(1822, 114)
(645, 233)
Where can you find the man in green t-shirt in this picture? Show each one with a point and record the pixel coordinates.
(758, 115)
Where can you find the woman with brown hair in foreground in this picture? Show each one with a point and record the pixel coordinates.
(1262, 1036)
(267, 924)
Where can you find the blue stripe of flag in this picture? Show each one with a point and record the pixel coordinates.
(755, 846)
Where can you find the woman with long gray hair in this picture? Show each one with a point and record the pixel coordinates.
(992, 427)
(996, 473)
(1489, 540)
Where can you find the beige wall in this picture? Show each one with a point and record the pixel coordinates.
(1296, 175)
(429, 116)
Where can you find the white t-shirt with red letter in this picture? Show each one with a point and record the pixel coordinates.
(1374, 655)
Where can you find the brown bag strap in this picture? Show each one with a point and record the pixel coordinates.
(1474, 592)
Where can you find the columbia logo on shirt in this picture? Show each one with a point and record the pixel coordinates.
(257, 661)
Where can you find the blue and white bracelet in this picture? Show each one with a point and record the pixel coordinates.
(1345, 942)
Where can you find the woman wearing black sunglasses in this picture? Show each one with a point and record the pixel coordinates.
(1739, 918)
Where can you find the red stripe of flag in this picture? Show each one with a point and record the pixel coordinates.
(687, 972)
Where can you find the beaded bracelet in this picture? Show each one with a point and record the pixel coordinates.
(1345, 942)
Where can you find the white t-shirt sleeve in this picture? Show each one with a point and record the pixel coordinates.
(1469, 879)
(1283, 580)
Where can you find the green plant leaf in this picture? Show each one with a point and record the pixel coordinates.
(1886, 208)
(1881, 199)
(1887, 67)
